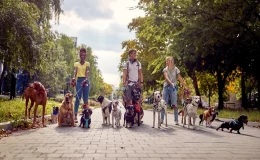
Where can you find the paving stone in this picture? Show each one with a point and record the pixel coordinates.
(102, 142)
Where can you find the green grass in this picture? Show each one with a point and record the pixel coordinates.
(17, 109)
(253, 116)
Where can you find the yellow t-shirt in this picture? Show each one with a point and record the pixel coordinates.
(81, 69)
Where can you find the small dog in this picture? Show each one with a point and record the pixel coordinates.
(106, 107)
(136, 101)
(85, 119)
(234, 124)
(191, 111)
(209, 116)
(129, 116)
(116, 114)
(54, 114)
(159, 105)
(66, 112)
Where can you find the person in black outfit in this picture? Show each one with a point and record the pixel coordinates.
(13, 84)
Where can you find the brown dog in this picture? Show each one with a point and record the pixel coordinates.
(29, 94)
(38, 95)
(66, 113)
(207, 116)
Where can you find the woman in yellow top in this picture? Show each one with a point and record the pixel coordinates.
(81, 70)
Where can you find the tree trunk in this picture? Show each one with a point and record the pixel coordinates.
(209, 95)
(2, 78)
(195, 83)
(258, 93)
(221, 85)
(243, 90)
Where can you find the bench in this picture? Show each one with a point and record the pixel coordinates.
(226, 104)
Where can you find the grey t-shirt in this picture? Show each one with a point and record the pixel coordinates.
(172, 75)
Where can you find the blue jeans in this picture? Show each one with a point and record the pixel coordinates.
(80, 90)
(171, 92)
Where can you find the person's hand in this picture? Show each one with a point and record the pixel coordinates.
(141, 85)
(125, 84)
(172, 84)
(73, 82)
(84, 83)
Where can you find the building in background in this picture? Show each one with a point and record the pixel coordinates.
(74, 39)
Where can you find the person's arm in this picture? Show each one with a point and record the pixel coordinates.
(75, 73)
(124, 77)
(167, 79)
(141, 77)
(87, 71)
(182, 81)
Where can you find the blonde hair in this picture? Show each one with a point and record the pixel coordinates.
(171, 59)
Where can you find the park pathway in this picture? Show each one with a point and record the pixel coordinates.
(139, 143)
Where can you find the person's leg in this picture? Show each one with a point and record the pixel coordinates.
(129, 90)
(165, 96)
(78, 96)
(86, 93)
(174, 103)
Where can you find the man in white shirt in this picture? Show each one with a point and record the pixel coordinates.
(132, 75)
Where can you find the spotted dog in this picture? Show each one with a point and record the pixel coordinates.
(159, 105)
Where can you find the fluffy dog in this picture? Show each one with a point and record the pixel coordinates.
(116, 114)
(234, 124)
(129, 116)
(106, 107)
(159, 105)
(191, 111)
(66, 114)
(85, 119)
(54, 114)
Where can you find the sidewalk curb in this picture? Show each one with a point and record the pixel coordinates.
(7, 125)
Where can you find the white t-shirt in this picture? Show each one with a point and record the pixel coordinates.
(132, 71)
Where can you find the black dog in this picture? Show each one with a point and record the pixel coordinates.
(136, 94)
(86, 113)
(129, 116)
(234, 124)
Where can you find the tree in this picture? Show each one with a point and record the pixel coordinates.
(209, 36)
(25, 33)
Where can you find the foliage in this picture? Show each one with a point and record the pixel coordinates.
(216, 37)
(15, 109)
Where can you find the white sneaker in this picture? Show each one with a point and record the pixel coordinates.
(161, 121)
(176, 123)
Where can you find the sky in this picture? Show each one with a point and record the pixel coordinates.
(101, 25)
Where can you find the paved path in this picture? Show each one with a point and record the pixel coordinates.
(139, 143)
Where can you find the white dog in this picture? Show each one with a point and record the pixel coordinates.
(159, 105)
(116, 114)
(191, 111)
(106, 107)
